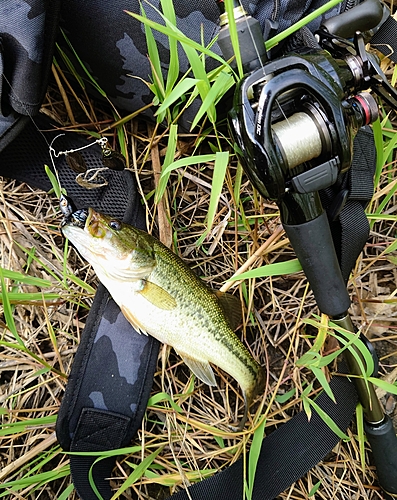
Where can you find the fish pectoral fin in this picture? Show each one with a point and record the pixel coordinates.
(202, 369)
(157, 296)
(231, 307)
(132, 319)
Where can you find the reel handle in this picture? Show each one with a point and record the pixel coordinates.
(363, 17)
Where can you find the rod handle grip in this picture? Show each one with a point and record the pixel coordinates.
(314, 247)
(383, 440)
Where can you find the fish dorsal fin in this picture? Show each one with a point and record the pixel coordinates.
(132, 319)
(231, 307)
(202, 369)
(157, 296)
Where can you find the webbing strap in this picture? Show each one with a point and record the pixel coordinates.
(286, 454)
(97, 430)
(385, 39)
(348, 221)
(112, 373)
(359, 182)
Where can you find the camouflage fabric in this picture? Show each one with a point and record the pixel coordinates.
(21, 29)
(27, 35)
(286, 13)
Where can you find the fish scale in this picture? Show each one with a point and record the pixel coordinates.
(165, 259)
(161, 296)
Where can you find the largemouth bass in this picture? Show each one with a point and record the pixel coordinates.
(161, 296)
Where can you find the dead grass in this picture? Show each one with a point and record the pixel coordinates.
(196, 441)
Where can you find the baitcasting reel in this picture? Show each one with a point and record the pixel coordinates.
(295, 119)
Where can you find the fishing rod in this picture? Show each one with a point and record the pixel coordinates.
(294, 119)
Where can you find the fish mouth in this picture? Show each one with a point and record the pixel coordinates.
(79, 218)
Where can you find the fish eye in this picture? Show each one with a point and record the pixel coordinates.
(115, 224)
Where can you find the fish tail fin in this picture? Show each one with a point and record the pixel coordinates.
(250, 394)
(257, 387)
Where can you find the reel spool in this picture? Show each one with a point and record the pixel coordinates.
(305, 135)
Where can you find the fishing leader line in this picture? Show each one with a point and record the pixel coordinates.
(239, 12)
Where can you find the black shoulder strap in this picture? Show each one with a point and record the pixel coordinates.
(112, 373)
(286, 454)
(346, 200)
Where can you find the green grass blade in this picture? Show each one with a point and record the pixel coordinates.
(203, 84)
(297, 26)
(85, 286)
(386, 199)
(359, 350)
(360, 433)
(137, 473)
(392, 247)
(161, 397)
(378, 139)
(19, 347)
(154, 56)
(387, 153)
(237, 184)
(177, 92)
(394, 76)
(42, 477)
(19, 427)
(173, 67)
(283, 398)
(254, 454)
(19, 297)
(35, 258)
(25, 278)
(220, 166)
(184, 162)
(54, 181)
(109, 453)
(314, 353)
(328, 420)
(229, 7)
(314, 489)
(169, 156)
(320, 375)
(171, 480)
(7, 310)
(306, 401)
(66, 493)
(386, 386)
(222, 84)
(277, 269)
